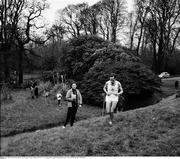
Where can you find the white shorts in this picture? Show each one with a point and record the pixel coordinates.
(111, 98)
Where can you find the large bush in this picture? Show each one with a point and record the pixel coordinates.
(136, 78)
(79, 56)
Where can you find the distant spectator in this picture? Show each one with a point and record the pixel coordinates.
(46, 93)
(34, 84)
(36, 91)
(176, 85)
(59, 97)
(32, 91)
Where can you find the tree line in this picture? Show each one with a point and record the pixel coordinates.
(153, 25)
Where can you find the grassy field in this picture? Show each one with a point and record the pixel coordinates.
(150, 131)
(24, 114)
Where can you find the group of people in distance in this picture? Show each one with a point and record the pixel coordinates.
(113, 90)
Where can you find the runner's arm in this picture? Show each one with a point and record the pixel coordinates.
(105, 87)
(120, 88)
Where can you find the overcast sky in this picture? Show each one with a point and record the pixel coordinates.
(60, 4)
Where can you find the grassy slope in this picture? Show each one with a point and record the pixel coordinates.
(153, 130)
(167, 88)
(26, 114)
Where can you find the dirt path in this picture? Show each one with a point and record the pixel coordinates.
(168, 98)
(171, 79)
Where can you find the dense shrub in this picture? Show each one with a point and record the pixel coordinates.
(53, 89)
(49, 63)
(45, 86)
(79, 56)
(62, 87)
(85, 51)
(135, 77)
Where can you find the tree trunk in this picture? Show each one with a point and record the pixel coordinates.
(94, 27)
(113, 35)
(131, 42)
(160, 58)
(132, 28)
(154, 65)
(139, 40)
(6, 67)
(20, 65)
(143, 41)
(107, 36)
(166, 60)
(160, 51)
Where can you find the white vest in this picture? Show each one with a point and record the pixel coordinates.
(112, 88)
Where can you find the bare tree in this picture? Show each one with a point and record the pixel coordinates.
(143, 9)
(32, 11)
(70, 17)
(89, 18)
(104, 23)
(165, 17)
(9, 16)
(133, 21)
(116, 11)
(56, 33)
(17, 23)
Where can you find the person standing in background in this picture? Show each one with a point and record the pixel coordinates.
(32, 90)
(59, 97)
(176, 84)
(36, 93)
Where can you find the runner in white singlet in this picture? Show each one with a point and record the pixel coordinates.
(112, 88)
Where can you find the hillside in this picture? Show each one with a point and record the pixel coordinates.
(22, 114)
(153, 131)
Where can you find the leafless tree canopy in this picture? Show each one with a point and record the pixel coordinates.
(18, 20)
(153, 25)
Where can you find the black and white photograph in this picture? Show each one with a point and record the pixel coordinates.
(90, 78)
